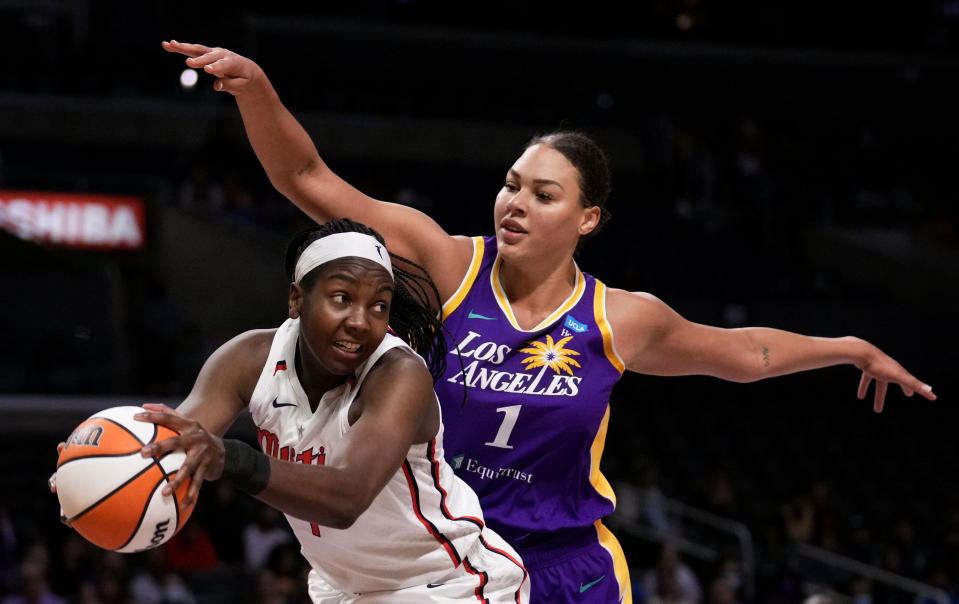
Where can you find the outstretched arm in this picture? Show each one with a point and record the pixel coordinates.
(654, 339)
(296, 169)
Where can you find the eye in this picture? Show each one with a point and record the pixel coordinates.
(544, 196)
(382, 307)
(510, 186)
(340, 298)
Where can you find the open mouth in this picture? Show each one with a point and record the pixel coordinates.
(346, 346)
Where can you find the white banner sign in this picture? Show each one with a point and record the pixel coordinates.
(81, 220)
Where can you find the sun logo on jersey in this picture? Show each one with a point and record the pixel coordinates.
(550, 355)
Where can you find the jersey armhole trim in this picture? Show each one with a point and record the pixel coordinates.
(599, 312)
(460, 294)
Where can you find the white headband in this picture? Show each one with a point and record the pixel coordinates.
(341, 245)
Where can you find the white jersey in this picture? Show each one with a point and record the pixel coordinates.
(422, 524)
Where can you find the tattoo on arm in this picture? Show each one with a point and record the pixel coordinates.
(310, 165)
(765, 356)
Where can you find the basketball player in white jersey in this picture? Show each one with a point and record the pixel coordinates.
(350, 432)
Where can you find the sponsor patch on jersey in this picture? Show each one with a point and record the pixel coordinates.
(577, 326)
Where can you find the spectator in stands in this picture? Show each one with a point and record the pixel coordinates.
(108, 581)
(191, 550)
(266, 590)
(200, 193)
(268, 530)
(33, 586)
(672, 581)
(799, 519)
(721, 591)
(71, 564)
(154, 583)
(290, 570)
(9, 543)
(221, 510)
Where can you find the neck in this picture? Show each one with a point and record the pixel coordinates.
(314, 379)
(534, 293)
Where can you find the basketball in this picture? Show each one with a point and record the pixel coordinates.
(109, 493)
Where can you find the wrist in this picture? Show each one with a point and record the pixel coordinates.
(857, 351)
(244, 466)
(258, 89)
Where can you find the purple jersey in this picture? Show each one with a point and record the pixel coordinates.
(530, 436)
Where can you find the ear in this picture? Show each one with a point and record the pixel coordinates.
(296, 301)
(590, 219)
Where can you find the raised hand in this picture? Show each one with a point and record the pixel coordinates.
(233, 72)
(884, 370)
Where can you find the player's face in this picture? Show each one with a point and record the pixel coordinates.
(343, 317)
(539, 209)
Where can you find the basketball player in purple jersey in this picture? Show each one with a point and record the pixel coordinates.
(542, 343)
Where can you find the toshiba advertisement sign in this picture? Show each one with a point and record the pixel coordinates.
(79, 220)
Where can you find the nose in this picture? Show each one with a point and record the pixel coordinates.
(516, 204)
(357, 319)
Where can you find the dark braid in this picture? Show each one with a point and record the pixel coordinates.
(416, 302)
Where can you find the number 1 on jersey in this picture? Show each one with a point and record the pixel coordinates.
(510, 415)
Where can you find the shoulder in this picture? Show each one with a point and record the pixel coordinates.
(399, 371)
(637, 318)
(399, 388)
(400, 362)
(244, 354)
(467, 246)
(448, 261)
(230, 375)
(253, 345)
(628, 308)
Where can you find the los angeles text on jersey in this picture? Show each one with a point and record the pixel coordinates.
(478, 374)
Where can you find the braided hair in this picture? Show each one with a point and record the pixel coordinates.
(414, 312)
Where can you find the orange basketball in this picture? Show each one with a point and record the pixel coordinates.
(111, 494)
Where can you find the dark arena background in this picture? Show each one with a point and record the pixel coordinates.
(781, 164)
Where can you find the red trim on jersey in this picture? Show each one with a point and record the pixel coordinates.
(511, 559)
(415, 496)
(435, 472)
(483, 577)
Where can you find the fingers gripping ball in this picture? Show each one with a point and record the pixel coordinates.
(109, 493)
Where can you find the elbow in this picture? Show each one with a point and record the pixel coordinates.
(342, 521)
(744, 373)
(749, 376)
(285, 184)
(348, 509)
(339, 516)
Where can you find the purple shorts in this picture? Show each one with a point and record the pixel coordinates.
(583, 566)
